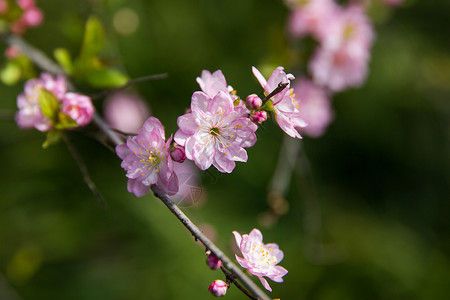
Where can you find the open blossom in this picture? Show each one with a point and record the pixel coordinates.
(342, 59)
(147, 160)
(285, 106)
(214, 132)
(316, 107)
(29, 114)
(260, 259)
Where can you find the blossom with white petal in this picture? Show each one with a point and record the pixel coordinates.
(285, 106)
(147, 160)
(260, 259)
(214, 133)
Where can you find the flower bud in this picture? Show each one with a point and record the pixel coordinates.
(12, 52)
(79, 108)
(33, 16)
(253, 102)
(213, 262)
(178, 154)
(3, 6)
(218, 288)
(259, 116)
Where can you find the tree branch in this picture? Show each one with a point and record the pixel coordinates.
(48, 65)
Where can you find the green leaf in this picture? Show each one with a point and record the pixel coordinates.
(53, 136)
(11, 73)
(62, 56)
(65, 122)
(93, 39)
(49, 104)
(106, 78)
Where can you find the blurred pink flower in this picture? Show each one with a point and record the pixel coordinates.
(312, 17)
(32, 16)
(78, 107)
(26, 4)
(3, 6)
(316, 107)
(147, 160)
(125, 112)
(29, 114)
(260, 259)
(285, 106)
(190, 191)
(12, 52)
(214, 133)
(342, 59)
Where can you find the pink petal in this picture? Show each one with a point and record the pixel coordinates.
(187, 124)
(256, 236)
(222, 104)
(238, 238)
(137, 188)
(260, 77)
(122, 151)
(222, 163)
(265, 284)
(242, 261)
(200, 102)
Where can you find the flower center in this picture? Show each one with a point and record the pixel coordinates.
(215, 131)
(154, 159)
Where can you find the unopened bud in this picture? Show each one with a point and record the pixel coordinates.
(253, 102)
(259, 116)
(213, 262)
(218, 288)
(12, 52)
(178, 154)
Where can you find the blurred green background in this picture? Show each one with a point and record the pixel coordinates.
(367, 218)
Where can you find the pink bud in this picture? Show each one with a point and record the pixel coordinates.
(79, 108)
(218, 288)
(25, 4)
(33, 16)
(213, 262)
(12, 52)
(259, 116)
(253, 102)
(178, 154)
(19, 27)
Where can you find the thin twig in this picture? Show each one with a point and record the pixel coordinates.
(237, 284)
(227, 263)
(84, 170)
(128, 84)
(281, 86)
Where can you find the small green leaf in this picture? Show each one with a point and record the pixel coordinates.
(53, 136)
(65, 122)
(62, 56)
(11, 73)
(106, 78)
(93, 39)
(49, 104)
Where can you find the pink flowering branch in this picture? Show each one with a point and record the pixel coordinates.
(48, 65)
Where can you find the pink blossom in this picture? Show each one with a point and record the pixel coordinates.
(26, 4)
(316, 107)
(260, 259)
(29, 114)
(342, 59)
(218, 288)
(214, 132)
(212, 84)
(147, 160)
(78, 107)
(12, 52)
(32, 16)
(125, 112)
(285, 105)
(312, 17)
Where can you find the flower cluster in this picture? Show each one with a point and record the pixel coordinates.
(260, 259)
(21, 14)
(45, 104)
(215, 131)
